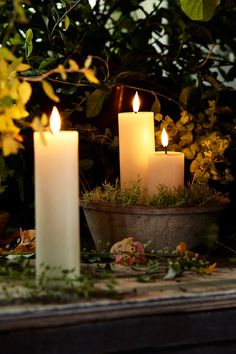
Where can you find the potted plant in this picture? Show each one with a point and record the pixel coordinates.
(185, 214)
(170, 216)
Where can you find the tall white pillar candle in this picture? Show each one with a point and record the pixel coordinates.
(57, 199)
(165, 168)
(136, 142)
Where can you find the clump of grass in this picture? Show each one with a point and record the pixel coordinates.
(113, 194)
(133, 195)
(195, 195)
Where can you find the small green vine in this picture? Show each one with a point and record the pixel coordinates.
(98, 274)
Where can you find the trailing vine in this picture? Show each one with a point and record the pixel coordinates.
(99, 275)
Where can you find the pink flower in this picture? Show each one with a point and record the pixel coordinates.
(128, 252)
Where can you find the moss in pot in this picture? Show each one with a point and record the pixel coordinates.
(168, 218)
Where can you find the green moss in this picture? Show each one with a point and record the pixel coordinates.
(132, 195)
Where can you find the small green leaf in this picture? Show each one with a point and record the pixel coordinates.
(7, 101)
(232, 259)
(199, 10)
(28, 42)
(185, 94)
(95, 102)
(144, 278)
(66, 23)
(156, 106)
(46, 62)
(86, 164)
(29, 35)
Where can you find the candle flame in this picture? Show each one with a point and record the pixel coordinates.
(136, 103)
(55, 121)
(164, 138)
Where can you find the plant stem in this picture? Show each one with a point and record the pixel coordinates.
(226, 247)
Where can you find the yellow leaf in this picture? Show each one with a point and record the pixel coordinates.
(44, 120)
(17, 112)
(186, 138)
(190, 126)
(73, 65)
(23, 67)
(7, 124)
(4, 92)
(180, 126)
(168, 120)
(7, 54)
(194, 147)
(90, 76)
(158, 117)
(3, 69)
(188, 153)
(88, 62)
(62, 71)
(208, 154)
(194, 166)
(36, 124)
(48, 89)
(3, 123)
(208, 270)
(25, 91)
(184, 117)
(10, 145)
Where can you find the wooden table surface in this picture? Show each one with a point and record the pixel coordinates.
(191, 314)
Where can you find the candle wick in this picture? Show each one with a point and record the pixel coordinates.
(166, 150)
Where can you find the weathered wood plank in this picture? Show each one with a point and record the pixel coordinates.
(193, 314)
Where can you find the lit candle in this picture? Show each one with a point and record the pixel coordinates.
(136, 142)
(57, 198)
(165, 167)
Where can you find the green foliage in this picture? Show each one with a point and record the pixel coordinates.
(98, 276)
(112, 194)
(52, 32)
(202, 142)
(181, 60)
(199, 10)
(195, 195)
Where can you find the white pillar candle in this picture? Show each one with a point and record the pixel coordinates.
(165, 167)
(57, 199)
(136, 142)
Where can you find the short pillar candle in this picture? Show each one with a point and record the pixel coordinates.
(165, 168)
